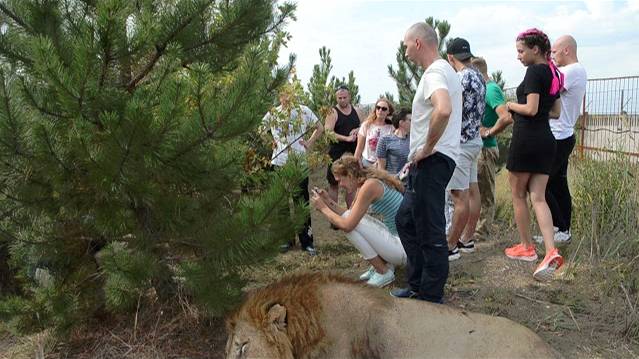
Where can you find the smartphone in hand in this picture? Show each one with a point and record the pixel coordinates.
(404, 172)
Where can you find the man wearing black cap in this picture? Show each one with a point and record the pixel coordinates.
(463, 187)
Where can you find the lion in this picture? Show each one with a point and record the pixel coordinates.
(323, 315)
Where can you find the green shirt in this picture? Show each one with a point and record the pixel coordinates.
(494, 98)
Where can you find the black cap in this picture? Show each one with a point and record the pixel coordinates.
(459, 48)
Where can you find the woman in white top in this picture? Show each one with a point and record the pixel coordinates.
(377, 125)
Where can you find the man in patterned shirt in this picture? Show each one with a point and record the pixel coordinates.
(463, 187)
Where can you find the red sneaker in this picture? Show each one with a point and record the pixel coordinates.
(546, 269)
(522, 252)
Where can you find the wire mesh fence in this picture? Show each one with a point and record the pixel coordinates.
(609, 122)
(608, 125)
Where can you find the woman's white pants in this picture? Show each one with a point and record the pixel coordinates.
(372, 238)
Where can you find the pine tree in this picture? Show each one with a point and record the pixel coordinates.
(498, 77)
(322, 86)
(123, 137)
(407, 74)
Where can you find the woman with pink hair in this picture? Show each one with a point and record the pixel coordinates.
(532, 148)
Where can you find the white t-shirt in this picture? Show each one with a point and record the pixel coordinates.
(373, 133)
(282, 140)
(439, 75)
(575, 80)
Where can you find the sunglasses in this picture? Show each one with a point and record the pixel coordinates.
(381, 108)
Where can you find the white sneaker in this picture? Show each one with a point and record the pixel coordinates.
(368, 274)
(563, 237)
(379, 280)
(540, 239)
(560, 237)
(453, 254)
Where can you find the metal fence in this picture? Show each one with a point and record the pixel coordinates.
(609, 122)
(608, 125)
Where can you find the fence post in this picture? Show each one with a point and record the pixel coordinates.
(583, 128)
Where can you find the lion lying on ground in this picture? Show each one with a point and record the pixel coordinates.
(328, 316)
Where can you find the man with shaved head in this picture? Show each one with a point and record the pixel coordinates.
(343, 121)
(434, 147)
(564, 52)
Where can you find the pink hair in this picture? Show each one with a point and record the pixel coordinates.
(557, 77)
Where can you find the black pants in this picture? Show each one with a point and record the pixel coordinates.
(306, 233)
(421, 226)
(557, 191)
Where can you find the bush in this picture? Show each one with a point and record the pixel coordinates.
(605, 223)
(605, 207)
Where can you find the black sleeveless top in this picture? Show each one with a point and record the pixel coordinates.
(343, 126)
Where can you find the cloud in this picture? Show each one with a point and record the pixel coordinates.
(363, 36)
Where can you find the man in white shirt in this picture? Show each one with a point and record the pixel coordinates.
(434, 147)
(288, 124)
(564, 52)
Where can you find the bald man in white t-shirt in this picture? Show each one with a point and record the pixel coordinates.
(564, 52)
(435, 133)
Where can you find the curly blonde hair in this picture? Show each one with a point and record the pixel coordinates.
(348, 165)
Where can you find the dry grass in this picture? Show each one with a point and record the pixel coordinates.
(575, 313)
(38, 346)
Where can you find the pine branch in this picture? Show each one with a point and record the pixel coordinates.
(160, 83)
(9, 113)
(15, 18)
(11, 54)
(127, 152)
(200, 110)
(231, 26)
(10, 237)
(54, 76)
(86, 150)
(35, 104)
(69, 18)
(51, 150)
(105, 63)
(192, 145)
(6, 235)
(159, 48)
(209, 133)
(97, 124)
(23, 201)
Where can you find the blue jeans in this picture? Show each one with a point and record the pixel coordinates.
(421, 226)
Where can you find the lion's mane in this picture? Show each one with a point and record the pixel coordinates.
(299, 294)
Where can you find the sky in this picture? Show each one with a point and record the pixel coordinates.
(363, 36)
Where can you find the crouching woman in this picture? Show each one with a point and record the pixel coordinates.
(376, 240)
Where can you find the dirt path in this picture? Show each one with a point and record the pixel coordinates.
(568, 312)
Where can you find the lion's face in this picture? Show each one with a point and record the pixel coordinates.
(270, 341)
(247, 342)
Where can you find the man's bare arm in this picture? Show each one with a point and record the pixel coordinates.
(442, 109)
